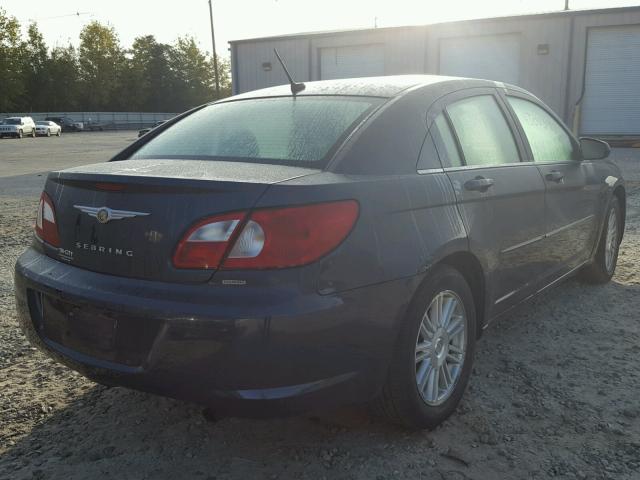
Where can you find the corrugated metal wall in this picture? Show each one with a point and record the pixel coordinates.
(612, 81)
(404, 48)
(257, 66)
(551, 63)
(582, 25)
(543, 74)
(404, 52)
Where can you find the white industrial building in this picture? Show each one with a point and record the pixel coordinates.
(584, 64)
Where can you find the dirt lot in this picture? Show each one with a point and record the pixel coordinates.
(555, 393)
(25, 162)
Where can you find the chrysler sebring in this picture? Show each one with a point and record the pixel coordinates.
(339, 242)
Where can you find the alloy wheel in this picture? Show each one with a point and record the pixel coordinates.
(440, 348)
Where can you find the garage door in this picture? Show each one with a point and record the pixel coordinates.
(352, 61)
(611, 103)
(494, 57)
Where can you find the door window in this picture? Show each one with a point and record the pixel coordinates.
(548, 140)
(445, 143)
(483, 131)
(429, 157)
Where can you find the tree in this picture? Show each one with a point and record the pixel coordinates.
(224, 76)
(101, 75)
(162, 77)
(150, 73)
(63, 89)
(34, 70)
(193, 74)
(11, 86)
(102, 63)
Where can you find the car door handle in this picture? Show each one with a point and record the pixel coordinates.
(479, 184)
(554, 176)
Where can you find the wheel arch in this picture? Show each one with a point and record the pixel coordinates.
(471, 269)
(620, 193)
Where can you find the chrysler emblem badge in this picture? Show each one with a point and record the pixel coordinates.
(106, 214)
(103, 215)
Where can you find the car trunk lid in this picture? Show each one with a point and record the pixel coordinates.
(125, 218)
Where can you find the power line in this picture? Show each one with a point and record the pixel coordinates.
(77, 14)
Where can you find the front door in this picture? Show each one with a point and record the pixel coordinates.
(571, 200)
(500, 197)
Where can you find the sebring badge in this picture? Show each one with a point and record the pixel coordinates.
(106, 214)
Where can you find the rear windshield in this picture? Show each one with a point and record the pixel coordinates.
(283, 130)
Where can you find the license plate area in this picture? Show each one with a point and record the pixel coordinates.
(99, 333)
(77, 328)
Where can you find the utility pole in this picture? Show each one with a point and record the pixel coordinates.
(566, 4)
(215, 57)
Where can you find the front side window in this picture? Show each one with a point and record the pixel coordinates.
(548, 140)
(282, 130)
(483, 131)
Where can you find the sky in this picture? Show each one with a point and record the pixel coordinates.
(238, 19)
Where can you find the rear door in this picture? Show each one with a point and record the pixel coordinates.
(500, 197)
(572, 191)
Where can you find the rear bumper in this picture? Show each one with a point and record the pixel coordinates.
(242, 350)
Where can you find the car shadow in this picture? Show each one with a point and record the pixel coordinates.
(102, 428)
(118, 433)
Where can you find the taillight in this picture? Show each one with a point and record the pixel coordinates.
(46, 227)
(269, 238)
(292, 236)
(204, 244)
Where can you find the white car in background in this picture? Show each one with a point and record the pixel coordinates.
(48, 128)
(17, 127)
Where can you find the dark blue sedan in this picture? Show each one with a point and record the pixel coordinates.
(282, 251)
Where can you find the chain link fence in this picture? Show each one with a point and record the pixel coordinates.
(101, 120)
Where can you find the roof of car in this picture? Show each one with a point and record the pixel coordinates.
(388, 86)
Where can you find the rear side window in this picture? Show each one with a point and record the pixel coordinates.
(428, 155)
(283, 130)
(548, 140)
(483, 132)
(445, 143)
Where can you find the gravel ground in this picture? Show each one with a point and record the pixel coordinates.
(26, 155)
(24, 163)
(554, 394)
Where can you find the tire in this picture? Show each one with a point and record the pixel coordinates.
(59, 132)
(48, 132)
(604, 263)
(33, 133)
(401, 401)
(19, 134)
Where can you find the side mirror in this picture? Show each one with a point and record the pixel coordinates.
(594, 149)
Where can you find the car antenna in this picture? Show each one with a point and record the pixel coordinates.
(295, 86)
